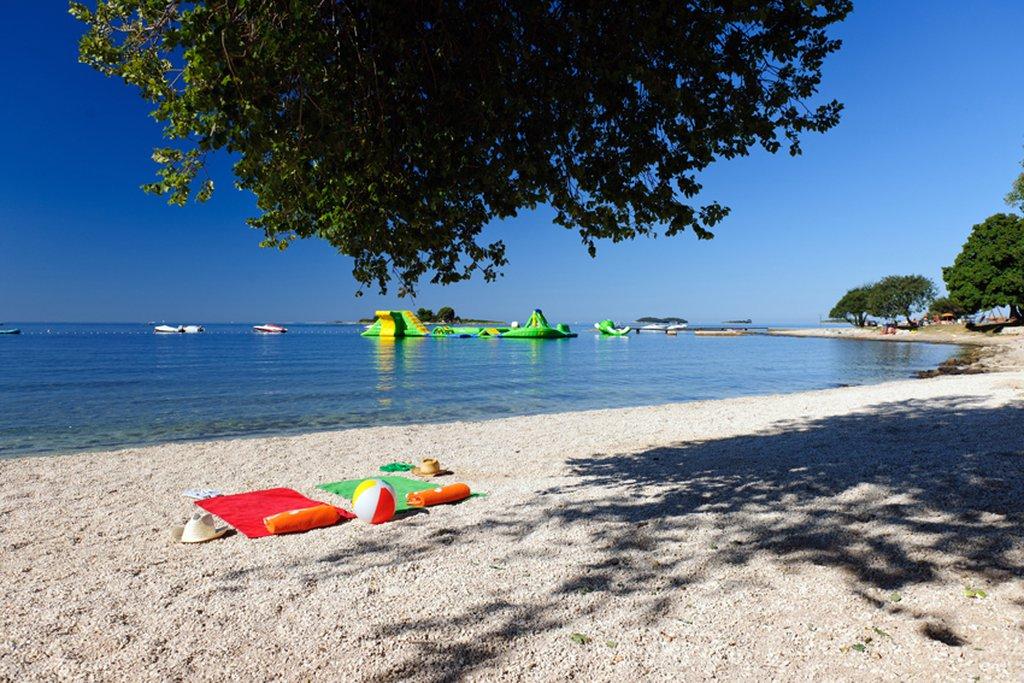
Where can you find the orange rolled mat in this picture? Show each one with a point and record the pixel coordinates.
(448, 494)
(303, 519)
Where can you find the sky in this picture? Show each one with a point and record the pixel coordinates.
(931, 138)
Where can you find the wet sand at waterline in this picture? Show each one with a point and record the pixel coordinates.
(821, 535)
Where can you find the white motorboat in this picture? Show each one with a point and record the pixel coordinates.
(269, 328)
(192, 329)
(678, 327)
(168, 329)
(654, 327)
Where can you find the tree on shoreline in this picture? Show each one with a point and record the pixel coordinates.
(989, 270)
(397, 131)
(854, 306)
(898, 295)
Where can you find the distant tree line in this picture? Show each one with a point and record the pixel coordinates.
(649, 319)
(445, 314)
(988, 273)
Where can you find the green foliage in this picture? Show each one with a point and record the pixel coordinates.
(944, 304)
(854, 306)
(397, 131)
(898, 295)
(446, 314)
(1015, 197)
(989, 270)
(888, 298)
(425, 314)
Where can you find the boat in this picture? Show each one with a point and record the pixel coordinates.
(13, 330)
(269, 328)
(168, 329)
(192, 329)
(678, 327)
(654, 327)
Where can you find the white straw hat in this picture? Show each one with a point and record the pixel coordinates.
(198, 529)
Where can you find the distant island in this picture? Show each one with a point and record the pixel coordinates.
(739, 322)
(648, 319)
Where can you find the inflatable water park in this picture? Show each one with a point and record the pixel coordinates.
(396, 324)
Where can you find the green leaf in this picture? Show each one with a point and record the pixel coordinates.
(859, 647)
(895, 597)
(611, 643)
(975, 592)
(579, 638)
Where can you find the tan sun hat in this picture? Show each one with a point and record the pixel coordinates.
(199, 529)
(430, 467)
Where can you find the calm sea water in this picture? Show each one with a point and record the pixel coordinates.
(66, 387)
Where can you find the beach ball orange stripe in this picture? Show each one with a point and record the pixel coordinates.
(374, 501)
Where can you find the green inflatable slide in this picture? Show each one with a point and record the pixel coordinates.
(396, 324)
(607, 327)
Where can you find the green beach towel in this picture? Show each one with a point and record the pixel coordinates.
(401, 485)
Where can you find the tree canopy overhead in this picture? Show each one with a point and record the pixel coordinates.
(396, 131)
(989, 270)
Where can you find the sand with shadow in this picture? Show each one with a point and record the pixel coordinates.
(827, 535)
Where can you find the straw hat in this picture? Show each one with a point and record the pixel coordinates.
(430, 467)
(198, 529)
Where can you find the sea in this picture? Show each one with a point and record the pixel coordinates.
(75, 387)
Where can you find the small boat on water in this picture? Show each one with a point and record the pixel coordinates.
(269, 328)
(678, 327)
(13, 330)
(654, 327)
(178, 329)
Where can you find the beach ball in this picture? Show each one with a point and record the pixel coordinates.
(374, 501)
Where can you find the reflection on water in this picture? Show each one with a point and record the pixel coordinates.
(396, 361)
(103, 386)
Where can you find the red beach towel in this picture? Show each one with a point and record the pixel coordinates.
(246, 511)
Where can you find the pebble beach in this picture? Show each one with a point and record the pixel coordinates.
(869, 532)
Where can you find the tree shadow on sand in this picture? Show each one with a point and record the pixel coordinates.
(905, 493)
(839, 491)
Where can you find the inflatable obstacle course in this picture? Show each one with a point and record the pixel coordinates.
(406, 324)
(537, 327)
(396, 324)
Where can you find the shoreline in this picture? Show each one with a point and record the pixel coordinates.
(983, 352)
(712, 538)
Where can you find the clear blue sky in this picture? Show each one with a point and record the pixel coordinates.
(932, 135)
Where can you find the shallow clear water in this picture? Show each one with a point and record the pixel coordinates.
(67, 387)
